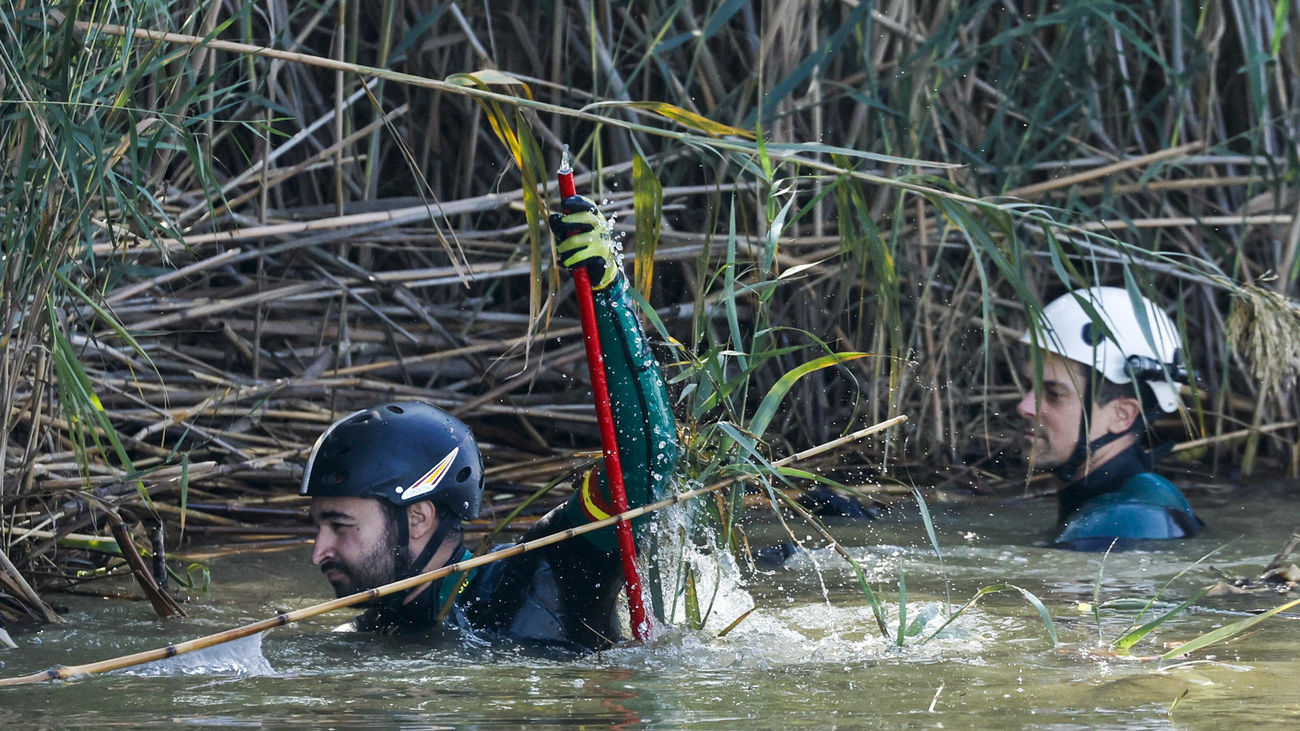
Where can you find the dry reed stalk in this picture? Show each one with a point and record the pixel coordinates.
(1186, 221)
(163, 603)
(405, 215)
(1030, 191)
(188, 215)
(1238, 434)
(14, 578)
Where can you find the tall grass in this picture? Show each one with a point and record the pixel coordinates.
(212, 251)
(91, 127)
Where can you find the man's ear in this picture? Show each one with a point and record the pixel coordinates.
(1122, 413)
(421, 519)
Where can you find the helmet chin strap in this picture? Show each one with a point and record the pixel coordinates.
(404, 567)
(1069, 469)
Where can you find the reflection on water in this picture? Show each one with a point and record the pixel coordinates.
(809, 655)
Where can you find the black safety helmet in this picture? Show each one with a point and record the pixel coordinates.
(402, 452)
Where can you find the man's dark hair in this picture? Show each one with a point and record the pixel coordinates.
(397, 525)
(394, 527)
(1104, 391)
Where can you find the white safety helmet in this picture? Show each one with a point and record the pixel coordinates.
(1121, 346)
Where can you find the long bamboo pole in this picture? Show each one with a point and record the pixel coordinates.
(69, 671)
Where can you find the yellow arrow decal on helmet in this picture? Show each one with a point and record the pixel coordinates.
(429, 482)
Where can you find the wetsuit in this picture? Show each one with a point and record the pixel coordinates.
(1122, 501)
(564, 595)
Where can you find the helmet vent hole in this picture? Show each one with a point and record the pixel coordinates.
(1093, 336)
(464, 474)
(394, 408)
(335, 449)
(361, 418)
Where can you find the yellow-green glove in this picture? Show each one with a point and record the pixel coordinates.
(583, 239)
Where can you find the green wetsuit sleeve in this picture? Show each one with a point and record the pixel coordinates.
(643, 417)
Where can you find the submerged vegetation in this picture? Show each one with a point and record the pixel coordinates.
(218, 241)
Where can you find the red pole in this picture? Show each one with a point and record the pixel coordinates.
(605, 417)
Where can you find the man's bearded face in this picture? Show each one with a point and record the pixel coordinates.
(355, 543)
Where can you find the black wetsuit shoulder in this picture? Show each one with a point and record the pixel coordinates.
(1120, 502)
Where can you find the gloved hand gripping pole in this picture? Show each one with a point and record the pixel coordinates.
(605, 418)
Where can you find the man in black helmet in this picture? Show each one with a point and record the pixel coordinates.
(390, 486)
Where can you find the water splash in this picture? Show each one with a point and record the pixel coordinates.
(237, 657)
(687, 546)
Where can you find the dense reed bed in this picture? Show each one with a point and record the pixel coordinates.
(219, 241)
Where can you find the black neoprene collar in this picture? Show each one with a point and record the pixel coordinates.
(1103, 478)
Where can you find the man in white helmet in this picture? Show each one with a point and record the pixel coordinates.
(1110, 367)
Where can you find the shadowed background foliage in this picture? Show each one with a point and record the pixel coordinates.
(211, 251)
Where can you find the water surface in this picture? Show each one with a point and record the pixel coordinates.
(808, 656)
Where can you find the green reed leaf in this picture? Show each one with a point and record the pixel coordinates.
(684, 117)
(693, 618)
(1029, 596)
(648, 206)
(902, 604)
(767, 409)
(1132, 638)
(1225, 632)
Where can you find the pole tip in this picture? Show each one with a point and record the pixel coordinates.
(565, 167)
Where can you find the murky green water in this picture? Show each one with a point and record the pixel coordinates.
(807, 657)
